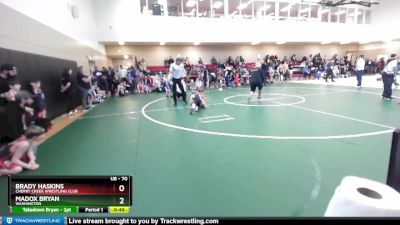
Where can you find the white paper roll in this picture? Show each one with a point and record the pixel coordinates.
(359, 197)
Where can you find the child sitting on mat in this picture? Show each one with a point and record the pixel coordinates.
(192, 85)
(197, 99)
(140, 87)
(20, 153)
(123, 88)
(167, 87)
(199, 84)
(236, 80)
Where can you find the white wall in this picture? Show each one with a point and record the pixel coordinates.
(57, 15)
(173, 29)
(21, 33)
(386, 18)
(372, 50)
(155, 55)
(128, 24)
(111, 17)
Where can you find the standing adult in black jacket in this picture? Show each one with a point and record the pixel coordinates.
(111, 80)
(256, 81)
(329, 70)
(67, 91)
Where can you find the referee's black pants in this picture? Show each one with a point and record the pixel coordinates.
(179, 83)
(387, 85)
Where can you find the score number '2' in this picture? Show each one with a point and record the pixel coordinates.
(121, 188)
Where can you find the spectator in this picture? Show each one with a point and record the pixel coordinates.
(111, 80)
(103, 86)
(214, 61)
(39, 104)
(21, 153)
(230, 62)
(132, 79)
(122, 73)
(96, 74)
(293, 58)
(192, 85)
(256, 81)
(380, 65)
(84, 86)
(66, 91)
(241, 60)
(329, 69)
(39, 117)
(7, 73)
(199, 84)
(170, 61)
(17, 113)
(140, 86)
(284, 69)
(122, 88)
(143, 66)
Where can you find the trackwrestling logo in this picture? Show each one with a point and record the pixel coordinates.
(26, 220)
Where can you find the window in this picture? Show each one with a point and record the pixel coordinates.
(360, 16)
(189, 8)
(294, 10)
(174, 8)
(342, 15)
(304, 11)
(143, 5)
(351, 17)
(324, 14)
(284, 8)
(314, 12)
(259, 9)
(204, 8)
(334, 15)
(234, 8)
(151, 7)
(155, 8)
(218, 8)
(270, 10)
(367, 16)
(247, 9)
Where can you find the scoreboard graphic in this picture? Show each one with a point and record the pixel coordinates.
(63, 195)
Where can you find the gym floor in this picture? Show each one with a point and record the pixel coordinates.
(283, 155)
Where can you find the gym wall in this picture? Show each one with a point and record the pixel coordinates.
(48, 70)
